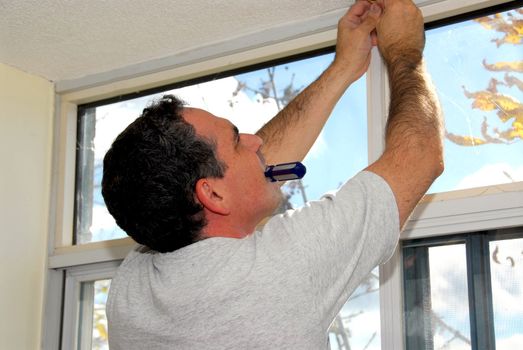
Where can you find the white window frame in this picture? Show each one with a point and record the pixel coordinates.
(74, 278)
(439, 214)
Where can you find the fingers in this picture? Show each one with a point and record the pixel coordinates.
(362, 15)
(371, 18)
(354, 15)
(358, 8)
(386, 3)
(374, 38)
(400, 29)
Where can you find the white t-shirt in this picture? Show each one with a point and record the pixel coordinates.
(279, 288)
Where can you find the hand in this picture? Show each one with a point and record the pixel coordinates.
(356, 37)
(400, 31)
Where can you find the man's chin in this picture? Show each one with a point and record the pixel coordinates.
(281, 204)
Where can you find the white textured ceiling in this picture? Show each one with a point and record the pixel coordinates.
(82, 40)
(68, 39)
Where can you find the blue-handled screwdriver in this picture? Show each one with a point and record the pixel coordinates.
(285, 171)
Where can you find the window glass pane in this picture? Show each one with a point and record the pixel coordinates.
(436, 297)
(357, 326)
(477, 68)
(249, 100)
(101, 291)
(92, 319)
(449, 297)
(506, 269)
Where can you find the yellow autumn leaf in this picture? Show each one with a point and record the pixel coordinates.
(517, 24)
(487, 101)
(507, 107)
(517, 130)
(507, 66)
(464, 140)
(513, 81)
(512, 38)
(511, 27)
(486, 22)
(102, 331)
(511, 135)
(506, 103)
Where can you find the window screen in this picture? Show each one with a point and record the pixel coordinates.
(464, 292)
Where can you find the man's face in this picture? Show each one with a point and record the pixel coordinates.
(252, 196)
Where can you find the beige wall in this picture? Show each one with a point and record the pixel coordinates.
(26, 115)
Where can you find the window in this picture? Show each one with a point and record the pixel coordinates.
(249, 100)
(94, 116)
(464, 292)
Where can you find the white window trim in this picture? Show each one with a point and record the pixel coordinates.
(74, 278)
(438, 215)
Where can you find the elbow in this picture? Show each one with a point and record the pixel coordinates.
(439, 168)
(438, 164)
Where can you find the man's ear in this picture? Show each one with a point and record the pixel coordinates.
(209, 195)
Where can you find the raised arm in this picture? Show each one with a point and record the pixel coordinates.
(413, 156)
(291, 133)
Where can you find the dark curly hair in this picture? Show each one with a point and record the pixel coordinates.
(150, 173)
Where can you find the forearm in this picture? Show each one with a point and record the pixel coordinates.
(292, 132)
(290, 135)
(413, 155)
(415, 120)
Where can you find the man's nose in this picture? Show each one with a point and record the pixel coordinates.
(253, 141)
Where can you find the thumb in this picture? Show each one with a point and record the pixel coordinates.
(371, 19)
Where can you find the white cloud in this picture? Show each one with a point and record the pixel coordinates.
(448, 283)
(111, 120)
(456, 344)
(362, 327)
(512, 343)
(497, 173)
(104, 227)
(319, 147)
(248, 114)
(217, 97)
(214, 96)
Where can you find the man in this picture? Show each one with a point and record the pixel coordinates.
(191, 189)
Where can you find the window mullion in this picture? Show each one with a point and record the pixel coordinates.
(480, 292)
(71, 309)
(391, 302)
(377, 106)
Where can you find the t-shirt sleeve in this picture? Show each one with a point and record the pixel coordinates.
(321, 252)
